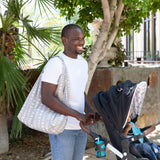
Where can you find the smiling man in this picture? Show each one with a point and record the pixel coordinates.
(71, 143)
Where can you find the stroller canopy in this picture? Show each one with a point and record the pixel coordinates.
(114, 105)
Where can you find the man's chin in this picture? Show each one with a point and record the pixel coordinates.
(79, 53)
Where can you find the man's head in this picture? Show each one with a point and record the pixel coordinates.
(73, 40)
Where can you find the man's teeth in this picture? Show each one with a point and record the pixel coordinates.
(79, 47)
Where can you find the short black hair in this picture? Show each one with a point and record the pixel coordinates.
(68, 28)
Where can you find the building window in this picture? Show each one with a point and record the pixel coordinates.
(150, 38)
(144, 45)
(130, 45)
(155, 52)
(147, 38)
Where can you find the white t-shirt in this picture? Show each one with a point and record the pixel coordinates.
(77, 74)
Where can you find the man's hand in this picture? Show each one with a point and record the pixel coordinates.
(81, 117)
(91, 118)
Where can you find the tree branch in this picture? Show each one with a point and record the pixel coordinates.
(113, 7)
(101, 39)
(118, 12)
(106, 10)
(115, 26)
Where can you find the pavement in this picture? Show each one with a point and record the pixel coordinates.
(90, 154)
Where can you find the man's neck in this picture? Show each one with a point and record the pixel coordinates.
(71, 55)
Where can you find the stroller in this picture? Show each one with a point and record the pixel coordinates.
(114, 106)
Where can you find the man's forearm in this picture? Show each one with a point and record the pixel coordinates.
(88, 106)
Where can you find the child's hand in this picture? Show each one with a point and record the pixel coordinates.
(129, 126)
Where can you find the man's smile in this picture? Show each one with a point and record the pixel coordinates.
(80, 48)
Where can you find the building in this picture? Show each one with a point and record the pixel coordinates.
(144, 45)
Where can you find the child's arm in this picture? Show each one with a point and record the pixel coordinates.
(127, 129)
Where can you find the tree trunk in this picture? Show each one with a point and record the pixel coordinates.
(106, 36)
(4, 140)
(92, 64)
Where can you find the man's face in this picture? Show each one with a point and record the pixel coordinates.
(74, 42)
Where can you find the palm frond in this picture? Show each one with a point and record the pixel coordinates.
(15, 7)
(12, 89)
(21, 52)
(7, 21)
(17, 125)
(38, 50)
(44, 5)
(12, 81)
(46, 35)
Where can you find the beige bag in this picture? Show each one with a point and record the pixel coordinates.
(37, 116)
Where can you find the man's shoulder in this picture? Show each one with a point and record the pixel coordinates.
(56, 58)
(59, 55)
(81, 58)
(55, 61)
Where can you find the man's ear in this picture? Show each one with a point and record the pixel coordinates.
(64, 39)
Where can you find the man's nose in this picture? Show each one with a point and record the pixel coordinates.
(82, 41)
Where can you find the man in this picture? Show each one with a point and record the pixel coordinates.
(70, 144)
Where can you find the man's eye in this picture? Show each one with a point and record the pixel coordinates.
(80, 39)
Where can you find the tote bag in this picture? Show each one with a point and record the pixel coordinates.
(39, 117)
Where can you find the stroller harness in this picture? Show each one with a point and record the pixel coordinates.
(137, 131)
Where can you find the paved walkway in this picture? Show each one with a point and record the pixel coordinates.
(90, 154)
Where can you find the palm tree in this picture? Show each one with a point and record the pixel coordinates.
(13, 48)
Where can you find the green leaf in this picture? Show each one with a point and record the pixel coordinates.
(46, 35)
(44, 5)
(11, 81)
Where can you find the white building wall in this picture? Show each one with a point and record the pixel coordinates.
(139, 38)
(123, 39)
(158, 31)
(138, 42)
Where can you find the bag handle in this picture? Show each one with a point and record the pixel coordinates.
(65, 79)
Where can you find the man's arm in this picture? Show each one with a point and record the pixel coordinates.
(48, 98)
(88, 106)
(92, 115)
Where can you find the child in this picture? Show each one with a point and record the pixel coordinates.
(145, 148)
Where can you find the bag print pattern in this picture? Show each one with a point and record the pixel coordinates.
(37, 116)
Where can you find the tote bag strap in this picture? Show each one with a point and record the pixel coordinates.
(63, 89)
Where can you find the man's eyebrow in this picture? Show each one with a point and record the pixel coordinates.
(77, 37)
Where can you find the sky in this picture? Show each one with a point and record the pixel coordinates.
(30, 9)
(2, 9)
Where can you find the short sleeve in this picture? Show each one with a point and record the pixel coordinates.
(52, 71)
